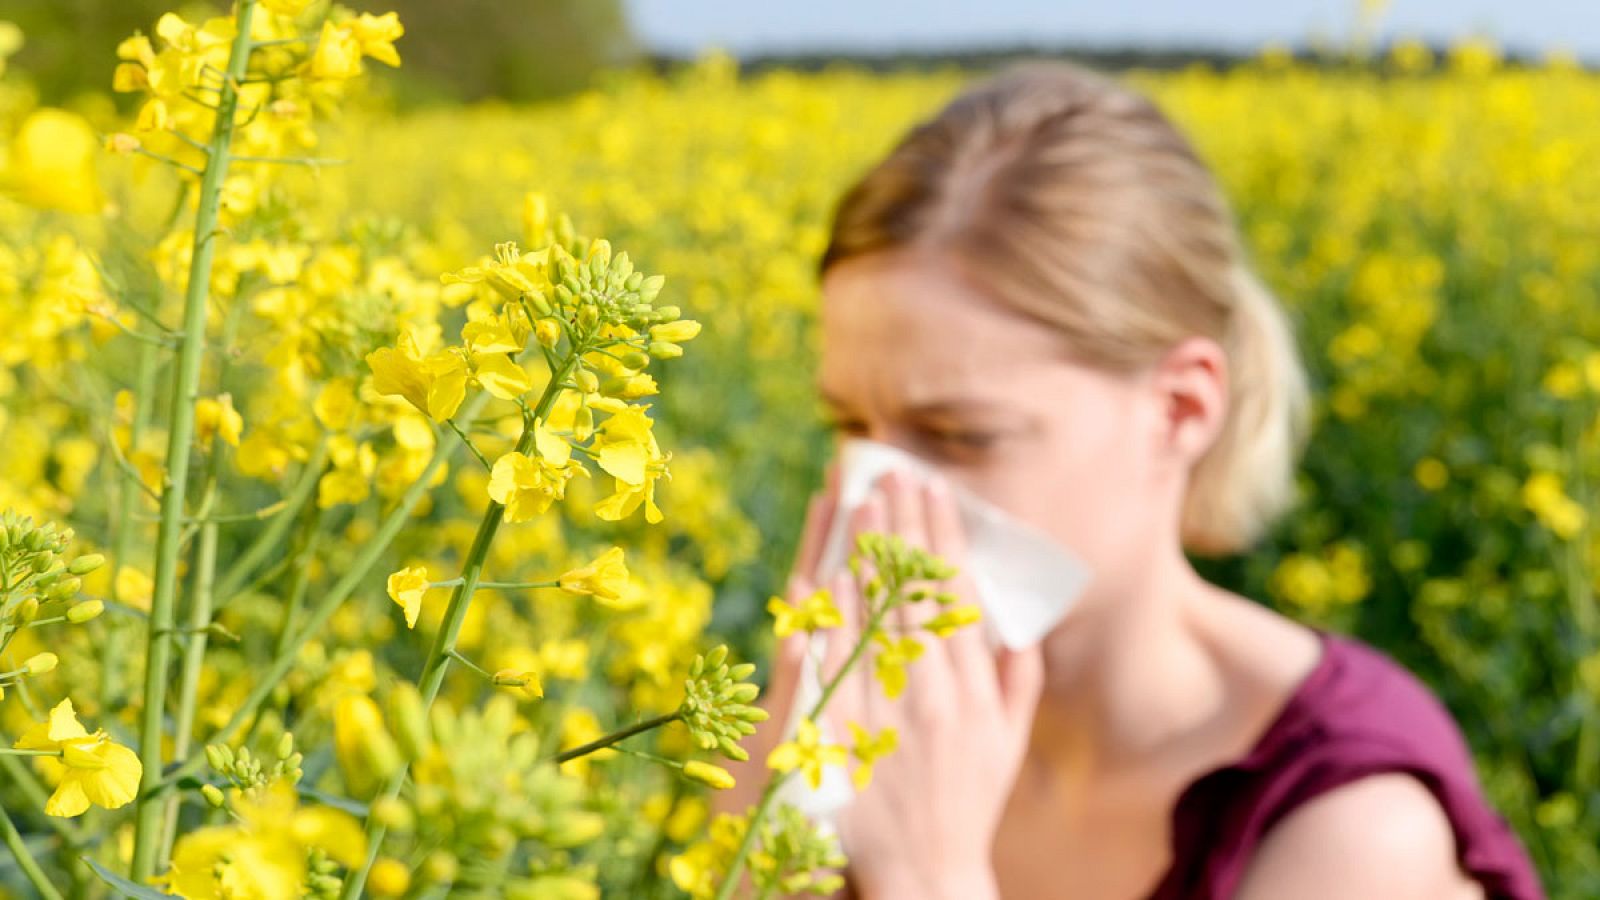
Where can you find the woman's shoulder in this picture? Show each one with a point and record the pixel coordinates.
(1359, 714)
(1361, 697)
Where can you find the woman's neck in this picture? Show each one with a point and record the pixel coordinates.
(1131, 681)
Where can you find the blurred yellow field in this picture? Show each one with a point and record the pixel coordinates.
(1430, 223)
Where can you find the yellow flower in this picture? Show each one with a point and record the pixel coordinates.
(263, 855)
(377, 34)
(389, 877)
(406, 588)
(527, 485)
(525, 681)
(289, 8)
(338, 53)
(625, 447)
(708, 774)
(605, 578)
(52, 162)
(806, 752)
(216, 417)
(92, 769)
(948, 621)
(1545, 496)
(890, 662)
(869, 749)
(816, 611)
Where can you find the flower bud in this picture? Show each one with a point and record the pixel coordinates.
(220, 757)
(27, 611)
(634, 359)
(708, 774)
(665, 350)
(83, 612)
(676, 332)
(39, 663)
(409, 719)
(587, 381)
(213, 795)
(392, 814)
(83, 565)
(65, 589)
(440, 867)
(651, 287)
(286, 745)
(548, 332)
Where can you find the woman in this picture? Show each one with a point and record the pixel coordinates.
(1041, 292)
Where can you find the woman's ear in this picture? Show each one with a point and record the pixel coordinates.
(1192, 384)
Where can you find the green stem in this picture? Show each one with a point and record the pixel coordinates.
(487, 675)
(30, 866)
(122, 531)
(470, 445)
(612, 738)
(185, 385)
(7, 751)
(455, 613)
(736, 866)
(194, 657)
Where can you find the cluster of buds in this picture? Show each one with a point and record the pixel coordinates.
(39, 585)
(794, 857)
(716, 704)
(249, 772)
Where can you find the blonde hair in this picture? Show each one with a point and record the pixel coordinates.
(1074, 200)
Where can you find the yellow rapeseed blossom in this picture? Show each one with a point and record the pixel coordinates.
(262, 854)
(52, 162)
(868, 749)
(807, 753)
(527, 485)
(814, 612)
(406, 588)
(889, 663)
(215, 417)
(1545, 496)
(948, 621)
(605, 578)
(92, 769)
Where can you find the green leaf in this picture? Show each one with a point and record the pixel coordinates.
(128, 888)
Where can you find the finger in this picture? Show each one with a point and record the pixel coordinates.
(946, 535)
(969, 652)
(1021, 678)
(906, 516)
(871, 515)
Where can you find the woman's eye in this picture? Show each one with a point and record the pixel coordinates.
(848, 426)
(972, 440)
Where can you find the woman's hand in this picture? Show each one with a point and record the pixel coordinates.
(777, 699)
(925, 824)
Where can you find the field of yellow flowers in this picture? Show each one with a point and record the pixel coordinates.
(369, 476)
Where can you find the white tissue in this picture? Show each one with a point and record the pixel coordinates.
(1026, 582)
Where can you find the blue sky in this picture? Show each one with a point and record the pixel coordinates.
(683, 26)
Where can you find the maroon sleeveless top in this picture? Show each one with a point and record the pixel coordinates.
(1358, 713)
